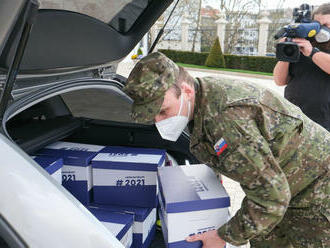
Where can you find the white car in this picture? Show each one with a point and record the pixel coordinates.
(58, 82)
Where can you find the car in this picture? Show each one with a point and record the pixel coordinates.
(58, 82)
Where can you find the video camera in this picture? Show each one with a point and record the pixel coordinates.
(305, 28)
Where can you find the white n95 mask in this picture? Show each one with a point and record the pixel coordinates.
(323, 35)
(171, 128)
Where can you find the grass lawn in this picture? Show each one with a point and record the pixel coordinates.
(225, 69)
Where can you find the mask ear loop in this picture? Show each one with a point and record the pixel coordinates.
(188, 109)
(181, 104)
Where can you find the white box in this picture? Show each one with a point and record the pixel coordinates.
(144, 226)
(52, 165)
(77, 170)
(127, 176)
(119, 224)
(192, 201)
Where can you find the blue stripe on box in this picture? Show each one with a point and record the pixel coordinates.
(124, 166)
(140, 213)
(185, 244)
(125, 149)
(50, 164)
(178, 244)
(79, 190)
(135, 150)
(197, 205)
(77, 158)
(137, 239)
(112, 217)
(139, 196)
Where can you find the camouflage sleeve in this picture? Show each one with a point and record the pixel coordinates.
(253, 165)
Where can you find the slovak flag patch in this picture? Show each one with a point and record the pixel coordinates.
(220, 146)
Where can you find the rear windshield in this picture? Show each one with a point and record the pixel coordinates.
(120, 14)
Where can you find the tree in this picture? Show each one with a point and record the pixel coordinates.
(280, 17)
(197, 25)
(241, 14)
(185, 8)
(216, 58)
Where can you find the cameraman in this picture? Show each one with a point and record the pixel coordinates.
(308, 80)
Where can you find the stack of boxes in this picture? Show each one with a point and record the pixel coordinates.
(119, 224)
(122, 186)
(144, 226)
(115, 183)
(77, 169)
(125, 179)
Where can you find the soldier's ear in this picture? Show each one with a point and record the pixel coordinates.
(188, 89)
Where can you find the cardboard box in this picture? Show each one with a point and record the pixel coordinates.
(144, 226)
(77, 170)
(119, 224)
(192, 201)
(52, 165)
(127, 176)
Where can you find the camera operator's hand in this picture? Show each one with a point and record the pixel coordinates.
(305, 46)
(283, 39)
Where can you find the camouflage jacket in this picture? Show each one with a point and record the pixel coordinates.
(271, 148)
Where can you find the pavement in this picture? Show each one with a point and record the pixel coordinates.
(233, 188)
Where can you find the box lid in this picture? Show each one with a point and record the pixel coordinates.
(72, 153)
(191, 188)
(127, 158)
(124, 220)
(50, 164)
(140, 214)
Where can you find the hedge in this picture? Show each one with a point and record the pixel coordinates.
(251, 63)
(192, 58)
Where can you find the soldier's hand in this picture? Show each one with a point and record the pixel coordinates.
(210, 239)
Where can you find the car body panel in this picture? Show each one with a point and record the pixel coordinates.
(60, 56)
(34, 203)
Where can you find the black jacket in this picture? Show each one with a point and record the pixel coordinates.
(309, 89)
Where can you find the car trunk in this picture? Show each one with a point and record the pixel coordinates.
(41, 125)
(52, 120)
(63, 42)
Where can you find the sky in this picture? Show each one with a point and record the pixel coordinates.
(272, 4)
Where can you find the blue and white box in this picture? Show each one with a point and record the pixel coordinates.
(144, 227)
(127, 176)
(52, 165)
(77, 170)
(119, 224)
(192, 201)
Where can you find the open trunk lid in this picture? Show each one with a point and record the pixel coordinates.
(63, 41)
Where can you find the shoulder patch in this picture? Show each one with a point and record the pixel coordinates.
(220, 146)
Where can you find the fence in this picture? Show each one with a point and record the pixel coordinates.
(257, 40)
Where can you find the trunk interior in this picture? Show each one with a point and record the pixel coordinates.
(52, 120)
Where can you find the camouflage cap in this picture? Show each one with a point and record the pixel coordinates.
(152, 76)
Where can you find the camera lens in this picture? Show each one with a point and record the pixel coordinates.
(288, 51)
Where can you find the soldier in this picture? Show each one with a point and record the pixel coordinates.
(280, 157)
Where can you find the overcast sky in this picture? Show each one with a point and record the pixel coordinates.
(272, 4)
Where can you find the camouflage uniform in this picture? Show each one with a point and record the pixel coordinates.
(279, 156)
